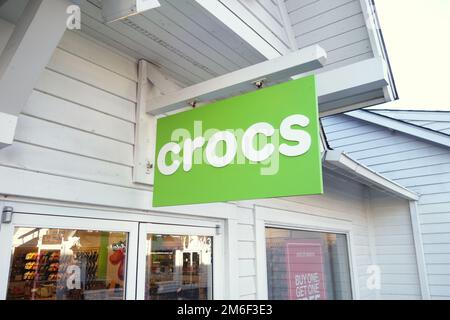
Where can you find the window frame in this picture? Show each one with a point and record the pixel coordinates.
(218, 253)
(266, 217)
(321, 232)
(27, 220)
(223, 222)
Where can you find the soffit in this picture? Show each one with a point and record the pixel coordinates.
(181, 37)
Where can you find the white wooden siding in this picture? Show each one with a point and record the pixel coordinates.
(75, 144)
(336, 25)
(414, 163)
(181, 37)
(246, 254)
(394, 246)
(79, 120)
(347, 205)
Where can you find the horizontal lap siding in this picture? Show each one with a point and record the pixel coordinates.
(79, 121)
(76, 133)
(348, 205)
(394, 246)
(247, 258)
(336, 25)
(414, 163)
(334, 205)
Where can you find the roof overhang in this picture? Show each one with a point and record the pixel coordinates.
(401, 126)
(335, 159)
(337, 91)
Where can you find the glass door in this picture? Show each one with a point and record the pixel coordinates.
(178, 263)
(63, 258)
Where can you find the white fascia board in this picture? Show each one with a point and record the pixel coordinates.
(233, 83)
(233, 22)
(341, 160)
(348, 82)
(351, 80)
(398, 125)
(377, 44)
(287, 24)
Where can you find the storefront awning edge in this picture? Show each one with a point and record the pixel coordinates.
(361, 173)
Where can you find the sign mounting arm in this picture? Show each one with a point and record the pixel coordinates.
(273, 71)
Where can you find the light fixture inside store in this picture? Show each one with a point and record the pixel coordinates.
(114, 10)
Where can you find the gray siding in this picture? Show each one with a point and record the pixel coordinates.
(75, 142)
(337, 25)
(416, 164)
(434, 120)
(394, 248)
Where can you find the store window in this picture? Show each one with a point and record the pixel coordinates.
(306, 265)
(179, 267)
(66, 264)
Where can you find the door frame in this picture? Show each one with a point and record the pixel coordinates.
(50, 221)
(190, 217)
(182, 229)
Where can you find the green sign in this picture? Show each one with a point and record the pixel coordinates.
(262, 144)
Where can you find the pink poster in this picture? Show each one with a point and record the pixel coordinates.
(305, 271)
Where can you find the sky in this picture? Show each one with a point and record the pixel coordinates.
(417, 36)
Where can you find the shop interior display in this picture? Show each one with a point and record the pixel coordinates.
(179, 267)
(72, 265)
(307, 265)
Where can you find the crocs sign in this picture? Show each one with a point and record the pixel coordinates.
(261, 144)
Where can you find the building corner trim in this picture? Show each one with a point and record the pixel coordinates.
(420, 255)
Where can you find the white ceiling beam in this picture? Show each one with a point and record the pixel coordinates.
(272, 71)
(238, 26)
(25, 56)
(287, 24)
(247, 11)
(349, 81)
(113, 10)
(164, 84)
